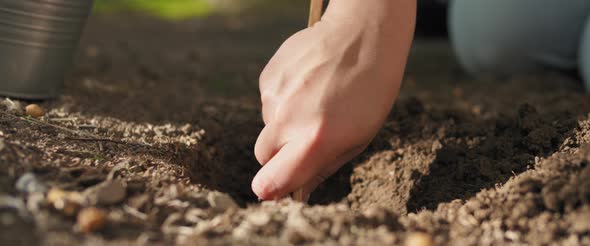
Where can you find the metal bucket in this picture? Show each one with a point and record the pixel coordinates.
(38, 40)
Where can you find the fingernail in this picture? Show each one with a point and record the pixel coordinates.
(258, 188)
(262, 189)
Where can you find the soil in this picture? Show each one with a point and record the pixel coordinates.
(172, 111)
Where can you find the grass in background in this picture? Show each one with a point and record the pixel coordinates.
(167, 9)
(184, 9)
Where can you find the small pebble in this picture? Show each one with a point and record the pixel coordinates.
(35, 201)
(68, 203)
(34, 110)
(67, 207)
(13, 203)
(28, 183)
(419, 239)
(14, 107)
(91, 219)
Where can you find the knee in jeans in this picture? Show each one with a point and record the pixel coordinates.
(584, 63)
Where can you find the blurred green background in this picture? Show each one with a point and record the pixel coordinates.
(431, 20)
(184, 9)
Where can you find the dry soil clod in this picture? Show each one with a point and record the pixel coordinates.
(419, 239)
(220, 201)
(107, 193)
(91, 219)
(34, 111)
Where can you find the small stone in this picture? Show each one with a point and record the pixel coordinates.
(91, 219)
(28, 183)
(107, 193)
(34, 111)
(258, 218)
(14, 107)
(419, 239)
(67, 207)
(13, 203)
(56, 194)
(35, 201)
(220, 201)
(68, 203)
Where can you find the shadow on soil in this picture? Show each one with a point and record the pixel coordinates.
(461, 169)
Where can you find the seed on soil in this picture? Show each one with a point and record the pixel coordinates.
(419, 239)
(68, 203)
(34, 110)
(29, 183)
(91, 219)
(56, 194)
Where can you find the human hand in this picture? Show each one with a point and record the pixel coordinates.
(325, 94)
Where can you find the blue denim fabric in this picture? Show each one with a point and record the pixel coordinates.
(505, 37)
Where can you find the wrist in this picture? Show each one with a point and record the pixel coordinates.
(371, 13)
(384, 24)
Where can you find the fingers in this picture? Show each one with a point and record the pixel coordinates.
(267, 144)
(292, 167)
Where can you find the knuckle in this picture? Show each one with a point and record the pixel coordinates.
(259, 153)
(267, 97)
(265, 74)
(262, 150)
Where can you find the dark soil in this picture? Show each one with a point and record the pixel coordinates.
(172, 110)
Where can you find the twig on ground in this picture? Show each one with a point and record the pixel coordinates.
(63, 119)
(84, 136)
(97, 140)
(35, 121)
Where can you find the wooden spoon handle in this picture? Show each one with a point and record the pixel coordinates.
(315, 15)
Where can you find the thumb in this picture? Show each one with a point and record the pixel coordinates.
(297, 163)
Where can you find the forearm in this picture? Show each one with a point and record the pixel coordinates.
(385, 29)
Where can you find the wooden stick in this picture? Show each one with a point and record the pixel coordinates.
(84, 136)
(315, 15)
(315, 12)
